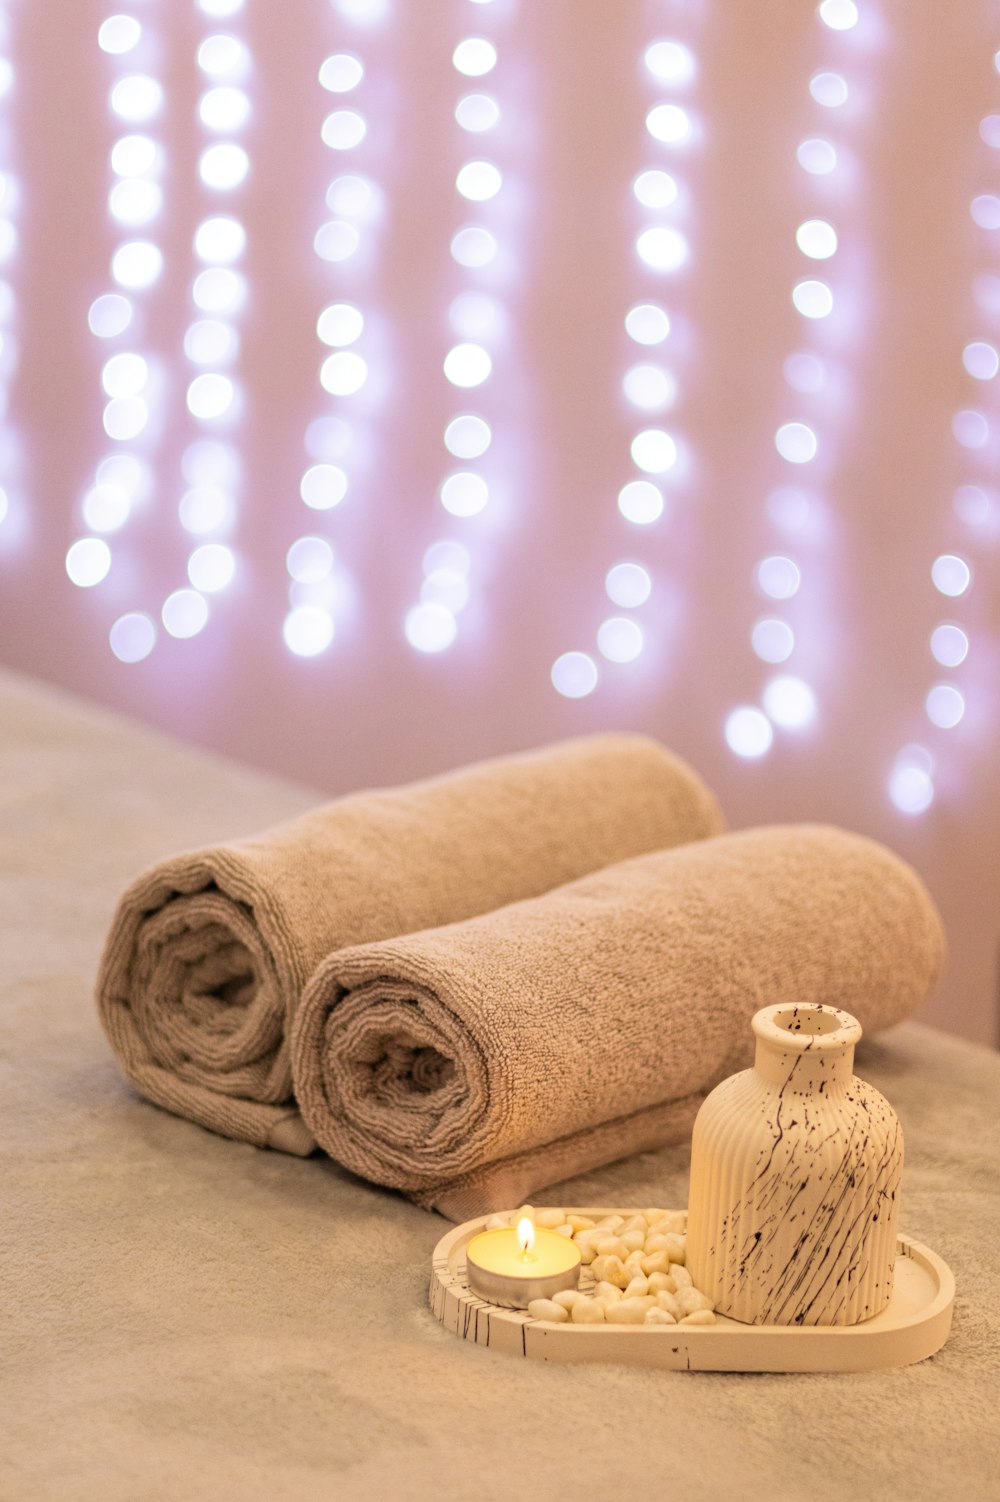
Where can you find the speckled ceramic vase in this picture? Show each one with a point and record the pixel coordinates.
(795, 1174)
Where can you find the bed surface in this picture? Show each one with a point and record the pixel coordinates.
(183, 1317)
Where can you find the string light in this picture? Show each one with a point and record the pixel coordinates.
(789, 702)
(477, 318)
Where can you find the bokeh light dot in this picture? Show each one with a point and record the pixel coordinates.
(628, 585)
(308, 630)
(474, 57)
(464, 494)
(479, 181)
(816, 239)
(668, 123)
(773, 640)
(344, 373)
(224, 108)
(473, 247)
(309, 559)
(184, 613)
(817, 156)
(467, 436)
(839, 15)
(945, 706)
(467, 365)
(641, 502)
(970, 429)
(985, 210)
(670, 62)
(137, 264)
(796, 442)
(430, 626)
(654, 451)
(477, 112)
(132, 637)
(981, 360)
(323, 486)
(789, 702)
(949, 645)
(662, 248)
(118, 34)
(647, 323)
(210, 396)
(574, 675)
(649, 387)
(109, 315)
(911, 788)
(951, 575)
(211, 567)
(135, 201)
(336, 241)
(223, 166)
(220, 240)
(446, 554)
(828, 89)
(341, 73)
(813, 299)
(340, 324)
(620, 639)
(106, 507)
(748, 732)
(125, 417)
(88, 561)
(131, 156)
(805, 372)
(778, 577)
(136, 98)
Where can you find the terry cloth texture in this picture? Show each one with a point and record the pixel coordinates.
(471, 1065)
(208, 951)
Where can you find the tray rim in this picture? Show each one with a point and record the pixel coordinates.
(777, 1348)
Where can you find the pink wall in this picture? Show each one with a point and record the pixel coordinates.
(913, 280)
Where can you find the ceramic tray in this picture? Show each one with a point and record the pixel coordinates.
(914, 1325)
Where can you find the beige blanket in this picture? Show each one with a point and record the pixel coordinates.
(471, 1065)
(208, 951)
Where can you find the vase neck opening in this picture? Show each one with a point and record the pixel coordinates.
(808, 1044)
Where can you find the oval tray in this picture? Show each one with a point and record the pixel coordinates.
(914, 1325)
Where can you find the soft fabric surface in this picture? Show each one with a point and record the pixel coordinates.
(475, 1064)
(209, 950)
(186, 1319)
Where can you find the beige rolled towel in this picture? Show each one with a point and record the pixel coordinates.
(472, 1065)
(208, 951)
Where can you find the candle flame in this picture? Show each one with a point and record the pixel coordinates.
(526, 1234)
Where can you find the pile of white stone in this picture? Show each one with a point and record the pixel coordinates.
(633, 1269)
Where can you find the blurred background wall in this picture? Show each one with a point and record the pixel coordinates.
(391, 383)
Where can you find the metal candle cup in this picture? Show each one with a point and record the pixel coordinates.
(511, 1267)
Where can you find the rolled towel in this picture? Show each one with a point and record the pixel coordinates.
(474, 1064)
(208, 951)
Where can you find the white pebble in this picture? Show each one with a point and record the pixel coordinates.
(636, 1288)
(612, 1246)
(587, 1252)
(692, 1299)
(634, 1261)
(633, 1241)
(568, 1297)
(588, 1312)
(497, 1223)
(548, 1309)
(675, 1247)
(611, 1223)
(661, 1283)
(655, 1262)
(580, 1222)
(608, 1292)
(680, 1274)
(525, 1210)
(699, 1317)
(656, 1243)
(634, 1223)
(671, 1303)
(610, 1270)
(653, 1217)
(550, 1219)
(566, 1231)
(632, 1312)
(657, 1316)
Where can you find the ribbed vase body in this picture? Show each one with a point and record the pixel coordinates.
(795, 1176)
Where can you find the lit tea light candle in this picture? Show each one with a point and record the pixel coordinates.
(513, 1266)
